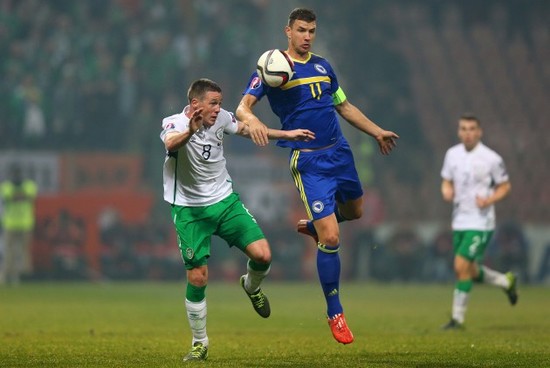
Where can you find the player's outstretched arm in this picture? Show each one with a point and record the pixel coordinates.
(287, 135)
(257, 130)
(291, 135)
(386, 139)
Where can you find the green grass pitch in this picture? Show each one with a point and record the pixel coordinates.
(144, 325)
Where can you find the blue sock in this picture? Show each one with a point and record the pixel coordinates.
(328, 268)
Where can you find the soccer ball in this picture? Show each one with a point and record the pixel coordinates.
(275, 68)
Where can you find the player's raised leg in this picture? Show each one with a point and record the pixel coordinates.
(306, 227)
(350, 210)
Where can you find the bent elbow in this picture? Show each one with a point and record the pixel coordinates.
(170, 146)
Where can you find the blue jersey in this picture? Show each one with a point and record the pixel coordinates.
(304, 102)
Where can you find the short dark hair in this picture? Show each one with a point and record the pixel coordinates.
(199, 88)
(470, 117)
(301, 14)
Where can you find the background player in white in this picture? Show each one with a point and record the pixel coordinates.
(474, 179)
(199, 189)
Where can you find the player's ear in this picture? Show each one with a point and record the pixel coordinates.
(287, 32)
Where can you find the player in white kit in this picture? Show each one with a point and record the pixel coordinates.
(474, 179)
(199, 189)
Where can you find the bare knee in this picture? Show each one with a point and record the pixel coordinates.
(259, 251)
(264, 258)
(198, 276)
(463, 268)
(330, 238)
(328, 230)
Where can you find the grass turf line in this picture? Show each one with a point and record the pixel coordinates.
(144, 325)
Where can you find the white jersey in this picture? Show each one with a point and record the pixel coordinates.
(196, 174)
(473, 173)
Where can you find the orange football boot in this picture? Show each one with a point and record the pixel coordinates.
(340, 329)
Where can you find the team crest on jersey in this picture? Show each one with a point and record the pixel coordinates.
(317, 206)
(219, 134)
(169, 126)
(189, 253)
(255, 83)
(320, 68)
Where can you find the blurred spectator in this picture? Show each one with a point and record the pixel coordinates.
(27, 108)
(401, 259)
(543, 272)
(67, 122)
(157, 251)
(118, 258)
(34, 121)
(509, 249)
(99, 92)
(65, 236)
(287, 251)
(128, 87)
(18, 195)
(408, 255)
(381, 263)
(361, 250)
(438, 265)
(359, 237)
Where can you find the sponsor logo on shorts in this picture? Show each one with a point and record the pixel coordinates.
(317, 206)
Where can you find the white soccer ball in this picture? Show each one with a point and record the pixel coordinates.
(275, 68)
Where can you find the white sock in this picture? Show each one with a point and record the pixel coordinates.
(254, 278)
(493, 277)
(196, 314)
(460, 304)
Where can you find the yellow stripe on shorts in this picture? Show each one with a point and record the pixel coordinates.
(298, 181)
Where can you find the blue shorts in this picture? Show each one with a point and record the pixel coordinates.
(325, 177)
